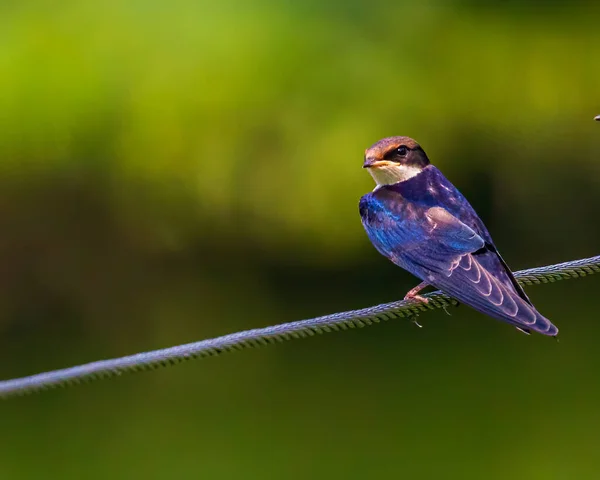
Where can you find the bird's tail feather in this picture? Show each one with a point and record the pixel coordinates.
(472, 284)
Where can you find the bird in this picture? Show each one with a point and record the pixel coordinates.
(421, 222)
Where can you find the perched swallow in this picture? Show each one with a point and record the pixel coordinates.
(416, 218)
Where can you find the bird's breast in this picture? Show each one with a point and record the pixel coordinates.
(389, 209)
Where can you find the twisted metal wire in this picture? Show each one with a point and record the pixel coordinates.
(274, 334)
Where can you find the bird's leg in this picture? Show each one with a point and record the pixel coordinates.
(413, 294)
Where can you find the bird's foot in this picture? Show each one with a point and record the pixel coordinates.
(413, 294)
(416, 297)
(414, 320)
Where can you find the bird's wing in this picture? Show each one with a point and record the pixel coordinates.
(443, 251)
(432, 188)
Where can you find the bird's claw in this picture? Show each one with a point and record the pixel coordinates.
(417, 298)
(414, 320)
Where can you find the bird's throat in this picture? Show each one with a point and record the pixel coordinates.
(388, 175)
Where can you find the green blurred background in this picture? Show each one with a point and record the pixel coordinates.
(173, 171)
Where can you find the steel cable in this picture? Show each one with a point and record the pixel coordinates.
(273, 334)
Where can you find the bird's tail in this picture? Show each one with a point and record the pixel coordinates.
(472, 284)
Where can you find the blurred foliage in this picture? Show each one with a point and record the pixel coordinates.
(176, 170)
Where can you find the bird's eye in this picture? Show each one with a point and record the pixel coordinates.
(402, 151)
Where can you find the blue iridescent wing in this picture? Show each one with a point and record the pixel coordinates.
(432, 188)
(416, 227)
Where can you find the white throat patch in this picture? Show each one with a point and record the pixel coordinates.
(390, 174)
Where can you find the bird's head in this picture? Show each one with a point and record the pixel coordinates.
(395, 159)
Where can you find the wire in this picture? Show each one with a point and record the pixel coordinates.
(274, 334)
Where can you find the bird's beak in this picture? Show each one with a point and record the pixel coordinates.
(371, 162)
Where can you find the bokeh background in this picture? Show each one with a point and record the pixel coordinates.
(173, 171)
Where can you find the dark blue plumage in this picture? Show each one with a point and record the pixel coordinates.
(426, 226)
